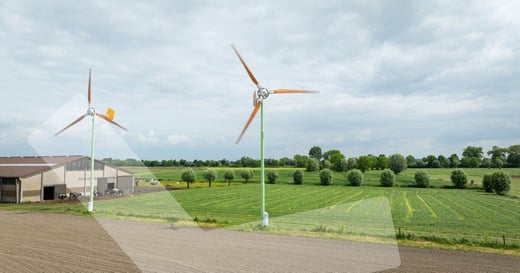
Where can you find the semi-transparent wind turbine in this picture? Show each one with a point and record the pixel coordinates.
(91, 112)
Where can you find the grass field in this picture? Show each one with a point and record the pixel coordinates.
(438, 214)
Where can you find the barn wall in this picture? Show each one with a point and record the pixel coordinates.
(54, 176)
(79, 181)
(110, 172)
(76, 180)
(102, 185)
(31, 188)
(126, 184)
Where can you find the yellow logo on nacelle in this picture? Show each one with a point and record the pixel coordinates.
(110, 113)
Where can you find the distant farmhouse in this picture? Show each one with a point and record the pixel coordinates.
(32, 179)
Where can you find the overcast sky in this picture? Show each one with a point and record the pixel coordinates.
(409, 77)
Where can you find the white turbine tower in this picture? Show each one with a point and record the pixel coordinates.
(91, 112)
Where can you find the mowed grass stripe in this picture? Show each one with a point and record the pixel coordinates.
(409, 212)
(432, 212)
(448, 212)
(494, 207)
(484, 212)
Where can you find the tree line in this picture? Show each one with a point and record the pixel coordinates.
(316, 159)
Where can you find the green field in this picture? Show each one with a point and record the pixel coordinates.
(438, 214)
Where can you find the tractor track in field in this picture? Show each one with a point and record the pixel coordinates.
(409, 208)
(432, 212)
(47, 242)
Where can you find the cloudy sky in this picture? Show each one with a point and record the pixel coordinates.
(409, 77)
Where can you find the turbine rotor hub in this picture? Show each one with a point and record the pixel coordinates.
(91, 111)
(262, 93)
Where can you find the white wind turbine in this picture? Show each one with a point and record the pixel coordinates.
(259, 95)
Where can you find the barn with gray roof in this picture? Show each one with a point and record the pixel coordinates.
(32, 179)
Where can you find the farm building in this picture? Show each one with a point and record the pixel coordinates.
(31, 179)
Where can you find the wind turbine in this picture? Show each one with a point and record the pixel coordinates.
(91, 112)
(259, 96)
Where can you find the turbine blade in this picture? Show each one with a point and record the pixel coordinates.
(111, 121)
(245, 66)
(255, 110)
(277, 91)
(74, 122)
(89, 92)
(255, 98)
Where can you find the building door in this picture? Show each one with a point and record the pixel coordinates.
(9, 190)
(48, 193)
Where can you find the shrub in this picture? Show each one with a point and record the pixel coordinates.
(487, 183)
(341, 165)
(229, 175)
(247, 174)
(272, 176)
(422, 180)
(351, 163)
(354, 177)
(326, 177)
(397, 163)
(387, 178)
(298, 177)
(210, 176)
(188, 176)
(501, 182)
(313, 165)
(459, 178)
(326, 164)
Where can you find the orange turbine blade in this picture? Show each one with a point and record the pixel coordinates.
(74, 122)
(111, 121)
(255, 110)
(293, 91)
(89, 92)
(245, 66)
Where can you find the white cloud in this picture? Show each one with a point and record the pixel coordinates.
(148, 137)
(178, 139)
(363, 135)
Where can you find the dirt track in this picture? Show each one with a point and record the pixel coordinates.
(39, 242)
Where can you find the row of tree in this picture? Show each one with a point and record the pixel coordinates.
(189, 176)
(498, 182)
(472, 157)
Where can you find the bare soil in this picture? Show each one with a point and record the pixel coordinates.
(45, 242)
